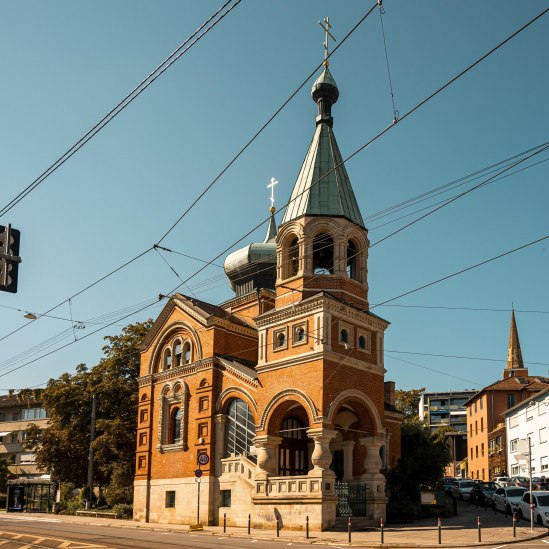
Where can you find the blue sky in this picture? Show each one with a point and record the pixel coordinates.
(66, 64)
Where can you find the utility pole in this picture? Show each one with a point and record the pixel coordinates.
(90, 458)
(530, 475)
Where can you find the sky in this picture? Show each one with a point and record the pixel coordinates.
(66, 64)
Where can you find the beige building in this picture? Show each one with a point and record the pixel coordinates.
(15, 416)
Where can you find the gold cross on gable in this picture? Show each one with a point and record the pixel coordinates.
(326, 27)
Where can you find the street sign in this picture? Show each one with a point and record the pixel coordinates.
(203, 459)
(198, 473)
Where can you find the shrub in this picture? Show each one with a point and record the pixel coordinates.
(123, 510)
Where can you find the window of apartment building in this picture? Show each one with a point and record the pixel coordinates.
(510, 400)
(470, 410)
(481, 424)
(470, 429)
(515, 470)
(475, 406)
(476, 451)
(170, 498)
(498, 442)
(544, 462)
(513, 445)
(476, 427)
(482, 454)
(27, 459)
(481, 405)
(483, 474)
(542, 408)
(543, 435)
(491, 446)
(16, 416)
(471, 453)
(530, 411)
(15, 437)
(34, 413)
(513, 422)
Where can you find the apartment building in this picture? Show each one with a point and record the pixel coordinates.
(15, 416)
(529, 420)
(445, 409)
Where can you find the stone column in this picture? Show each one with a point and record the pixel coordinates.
(321, 457)
(373, 477)
(347, 447)
(220, 420)
(267, 460)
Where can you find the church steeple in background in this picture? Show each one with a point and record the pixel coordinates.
(515, 364)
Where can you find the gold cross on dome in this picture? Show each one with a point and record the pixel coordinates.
(326, 27)
(271, 186)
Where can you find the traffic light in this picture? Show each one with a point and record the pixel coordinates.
(9, 258)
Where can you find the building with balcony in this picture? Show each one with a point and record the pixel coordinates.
(445, 409)
(15, 416)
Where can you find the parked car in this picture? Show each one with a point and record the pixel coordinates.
(462, 488)
(502, 481)
(507, 498)
(541, 507)
(448, 482)
(519, 481)
(482, 492)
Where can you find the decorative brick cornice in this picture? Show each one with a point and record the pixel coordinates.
(183, 371)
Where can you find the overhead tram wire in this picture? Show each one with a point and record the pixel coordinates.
(381, 13)
(460, 195)
(129, 98)
(272, 117)
(364, 310)
(423, 102)
(522, 311)
(349, 157)
(361, 20)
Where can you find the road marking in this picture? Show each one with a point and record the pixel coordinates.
(500, 546)
(545, 541)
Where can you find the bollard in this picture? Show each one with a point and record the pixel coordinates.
(224, 523)
(307, 528)
(249, 523)
(478, 523)
(277, 528)
(349, 529)
(382, 531)
(514, 525)
(439, 531)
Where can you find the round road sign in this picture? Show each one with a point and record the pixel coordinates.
(198, 473)
(203, 459)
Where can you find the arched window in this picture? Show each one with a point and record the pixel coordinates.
(280, 339)
(177, 353)
(187, 355)
(292, 453)
(323, 254)
(167, 359)
(293, 257)
(352, 260)
(344, 336)
(362, 342)
(239, 429)
(175, 426)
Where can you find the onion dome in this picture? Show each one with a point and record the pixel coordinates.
(254, 266)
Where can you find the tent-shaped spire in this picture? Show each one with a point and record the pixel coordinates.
(323, 187)
(514, 354)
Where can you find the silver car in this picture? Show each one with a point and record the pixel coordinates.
(507, 498)
(462, 489)
(541, 507)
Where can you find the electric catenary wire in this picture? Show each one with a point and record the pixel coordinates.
(129, 98)
(381, 14)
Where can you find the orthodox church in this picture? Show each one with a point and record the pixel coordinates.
(273, 404)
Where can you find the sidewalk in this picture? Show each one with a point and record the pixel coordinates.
(456, 531)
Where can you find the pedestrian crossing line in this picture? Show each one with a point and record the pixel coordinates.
(31, 541)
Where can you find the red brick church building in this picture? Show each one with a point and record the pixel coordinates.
(283, 385)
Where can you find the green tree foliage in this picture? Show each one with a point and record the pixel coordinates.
(423, 458)
(407, 402)
(4, 474)
(62, 448)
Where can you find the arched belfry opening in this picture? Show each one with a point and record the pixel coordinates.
(323, 254)
(353, 261)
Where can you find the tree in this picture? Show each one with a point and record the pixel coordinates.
(62, 448)
(407, 402)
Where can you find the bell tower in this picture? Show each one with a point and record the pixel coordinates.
(322, 244)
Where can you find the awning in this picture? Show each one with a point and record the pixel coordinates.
(4, 433)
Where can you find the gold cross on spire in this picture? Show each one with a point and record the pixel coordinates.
(326, 27)
(271, 186)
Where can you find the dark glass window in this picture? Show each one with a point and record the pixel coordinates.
(225, 498)
(170, 498)
(187, 352)
(175, 426)
(178, 354)
(344, 336)
(292, 451)
(239, 429)
(510, 400)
